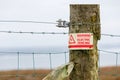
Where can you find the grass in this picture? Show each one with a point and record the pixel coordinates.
(106, 73)
(110, 73)
(23, 74)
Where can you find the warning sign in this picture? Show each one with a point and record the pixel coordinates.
(79, 41)
(72, 40)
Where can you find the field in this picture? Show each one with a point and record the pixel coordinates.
(110, 73)
(106, 73)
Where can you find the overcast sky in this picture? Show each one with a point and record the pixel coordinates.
(51, 11)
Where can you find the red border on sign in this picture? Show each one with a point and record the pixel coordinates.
(80, 46)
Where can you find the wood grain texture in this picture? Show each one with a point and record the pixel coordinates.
(86, 61)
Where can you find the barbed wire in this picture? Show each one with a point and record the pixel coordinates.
(22, 21)
(111, 35)
(21, 32)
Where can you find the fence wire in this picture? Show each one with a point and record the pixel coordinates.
(21, 21)
(115, 71)
(35, 73)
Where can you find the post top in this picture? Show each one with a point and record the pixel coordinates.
(85, 4)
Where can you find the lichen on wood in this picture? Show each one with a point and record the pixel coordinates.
(85, 19)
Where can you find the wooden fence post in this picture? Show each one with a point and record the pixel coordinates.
(85, 18)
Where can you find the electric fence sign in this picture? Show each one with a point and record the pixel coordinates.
(80, 41)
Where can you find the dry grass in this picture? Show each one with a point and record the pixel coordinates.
(107, 73)
(110, 73)
(23, 74)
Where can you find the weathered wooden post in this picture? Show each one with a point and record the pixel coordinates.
(84, 34)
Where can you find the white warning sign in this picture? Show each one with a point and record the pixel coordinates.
(79, 41)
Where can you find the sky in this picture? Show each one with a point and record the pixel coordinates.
(51, 11)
